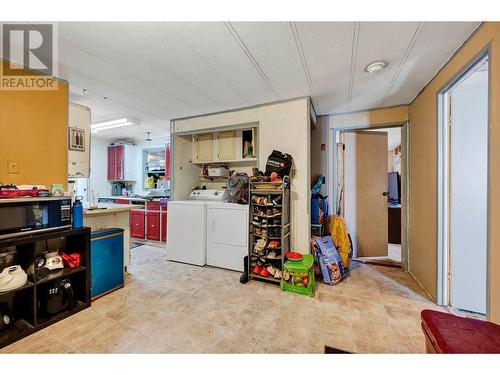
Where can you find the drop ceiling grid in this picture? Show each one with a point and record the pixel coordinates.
(378, 41)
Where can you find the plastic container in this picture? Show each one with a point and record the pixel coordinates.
(301, 276)
(78, 213)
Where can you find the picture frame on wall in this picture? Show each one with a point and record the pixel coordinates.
(76, 139)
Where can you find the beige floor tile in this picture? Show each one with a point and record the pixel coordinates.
(108, 340)
(168, 307)
(37, 343)
(366, 309)
(199, 337)
(144, 344)
(256, 323)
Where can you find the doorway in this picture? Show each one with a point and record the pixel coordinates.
(371, 193)
(463, 198)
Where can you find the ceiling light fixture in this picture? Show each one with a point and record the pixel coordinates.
(96, 127)
(376, 66)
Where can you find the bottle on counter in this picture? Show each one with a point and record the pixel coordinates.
(78, 212)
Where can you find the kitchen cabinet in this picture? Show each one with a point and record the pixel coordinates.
(79, 147)
(226, 145)
(164, 226)
(122, 163)
(153, 226)
(203, 147)
(137, 224)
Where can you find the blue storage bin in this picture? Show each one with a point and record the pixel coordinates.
(107, 263)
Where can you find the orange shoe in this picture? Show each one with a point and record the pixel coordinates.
(257, 269)
(264, 272)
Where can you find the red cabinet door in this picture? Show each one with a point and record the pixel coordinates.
(153, 226)
(111, 163)
(119, 162)
(167, 162)
(122, 201)
(137, 224)
(164, 226)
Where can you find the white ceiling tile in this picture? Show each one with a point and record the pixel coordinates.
(160, 71)
(437, 42)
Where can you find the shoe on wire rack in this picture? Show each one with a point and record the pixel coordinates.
(277, 200)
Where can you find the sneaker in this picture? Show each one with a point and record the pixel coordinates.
(255, 199)
(264, 232)
(263, 223)
(272, 255)
(271, 270)
(269, 202)
(259, 211)
(256, 220)
(277, 200)
(278, 274)
(276, 212)
(269, 212)
(260, 246)
(258, 231)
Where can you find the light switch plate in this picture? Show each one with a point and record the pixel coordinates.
(12, 166)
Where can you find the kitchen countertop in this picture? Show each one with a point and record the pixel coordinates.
(128, 198)
(109, 208)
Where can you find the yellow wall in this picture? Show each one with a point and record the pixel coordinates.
(423, 148)
(33, 132)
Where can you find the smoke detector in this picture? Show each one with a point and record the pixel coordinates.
(376, 66)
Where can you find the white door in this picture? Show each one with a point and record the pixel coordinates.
(186, 232)
(227, 236)
(468, 193)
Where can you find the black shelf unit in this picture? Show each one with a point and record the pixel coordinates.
(23, 301)
(270, 190)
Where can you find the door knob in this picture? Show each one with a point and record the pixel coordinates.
(385, 193)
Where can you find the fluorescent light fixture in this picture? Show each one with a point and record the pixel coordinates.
(111, 124)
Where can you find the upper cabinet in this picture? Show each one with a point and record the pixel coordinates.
(203, 147)
(122, 163)
(78, 141)
(225, 146)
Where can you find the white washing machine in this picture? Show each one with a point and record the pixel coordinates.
(187, 227)
(227, 235)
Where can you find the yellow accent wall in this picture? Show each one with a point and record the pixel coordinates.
(33, 132)
(423, 167)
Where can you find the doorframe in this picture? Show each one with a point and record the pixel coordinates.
(405, 181)
(443, 180)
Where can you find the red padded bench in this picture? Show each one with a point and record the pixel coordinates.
(450, 334)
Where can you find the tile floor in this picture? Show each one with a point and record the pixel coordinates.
(169, 307)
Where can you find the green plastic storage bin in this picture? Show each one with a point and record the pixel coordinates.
(299, 270)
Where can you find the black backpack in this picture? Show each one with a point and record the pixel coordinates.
(237, 188)
(279, 162)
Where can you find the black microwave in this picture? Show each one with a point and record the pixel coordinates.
(22, 216)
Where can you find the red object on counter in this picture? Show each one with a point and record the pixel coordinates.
(164, 226)
(450, 334)
(15, 193)
(70, 260)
